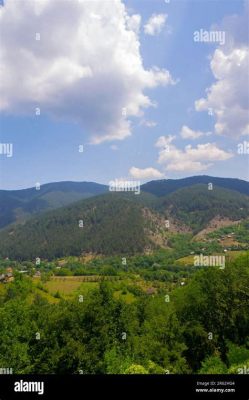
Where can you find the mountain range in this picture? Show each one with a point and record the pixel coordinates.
(69, 218)
(18, 205)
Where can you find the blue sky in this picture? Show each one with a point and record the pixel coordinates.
(149, 142)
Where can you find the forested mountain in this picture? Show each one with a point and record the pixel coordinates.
(196, 206)
(167, 186)
(120, 223)
(18, 205)
(106, 224)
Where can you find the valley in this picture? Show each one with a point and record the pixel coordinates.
(109, 284)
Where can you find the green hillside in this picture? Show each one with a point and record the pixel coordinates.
(16, 206)
(196, 206)
(166, 186)
(120, 223)
(112, 225)
(19, 205)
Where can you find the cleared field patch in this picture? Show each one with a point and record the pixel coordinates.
(86, 287)
(69, 286)
(63, 285)
(230, 256)
(47, 296)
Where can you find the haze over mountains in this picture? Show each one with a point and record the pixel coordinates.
(18, 205)
(68, 218)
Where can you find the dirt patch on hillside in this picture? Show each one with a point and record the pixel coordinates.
(159, 228)
(215, 224)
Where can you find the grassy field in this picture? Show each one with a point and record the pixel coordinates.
(189, 260)
(68, 286)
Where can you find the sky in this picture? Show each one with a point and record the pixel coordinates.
(123, 89)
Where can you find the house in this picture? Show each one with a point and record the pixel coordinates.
(9, 277)
(5, 278)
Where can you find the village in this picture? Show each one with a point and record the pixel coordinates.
(8, 275)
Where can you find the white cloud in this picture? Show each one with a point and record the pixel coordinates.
(155, 24)
(164, 141)
(86, 67)
(134, 22)
(190, 159)
(187, 133)
(228, 96)
(148, 124)
(146, 173)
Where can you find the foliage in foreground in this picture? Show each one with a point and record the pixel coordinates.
(202, 328)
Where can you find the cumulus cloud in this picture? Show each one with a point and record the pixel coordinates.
(164, 141)
(146, 173)
(134, 22)
(85, 68)
(155, 24)
(189, 159)
(148, 123)
(188, 133)
(228, 96)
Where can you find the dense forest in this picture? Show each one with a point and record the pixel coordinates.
(202, 327)
(108, 284)
(121, 223)
(16, 206)
(196, 206)
(105, 224)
